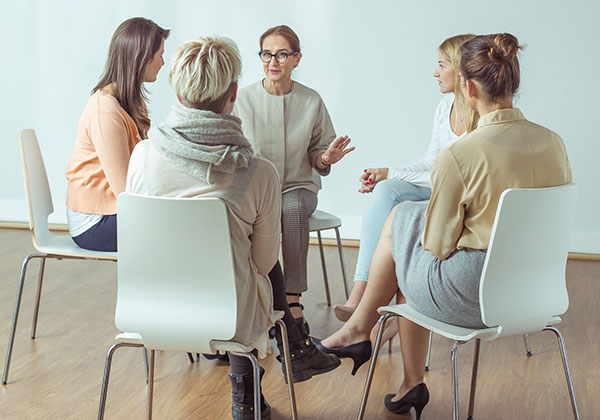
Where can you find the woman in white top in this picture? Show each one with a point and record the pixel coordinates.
(288, 124)
(200, 151)
(452, 119)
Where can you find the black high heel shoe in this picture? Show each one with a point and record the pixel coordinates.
(417, 397)
(358, 352)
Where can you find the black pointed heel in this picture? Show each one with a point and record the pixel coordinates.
(358, 352)
(417, 397)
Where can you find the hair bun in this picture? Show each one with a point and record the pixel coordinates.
(504, 48)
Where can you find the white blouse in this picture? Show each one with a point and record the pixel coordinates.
(419, 172)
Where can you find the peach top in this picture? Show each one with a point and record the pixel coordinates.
(97, 170)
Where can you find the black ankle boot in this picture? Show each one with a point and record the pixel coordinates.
(242, 398)
(307, 360)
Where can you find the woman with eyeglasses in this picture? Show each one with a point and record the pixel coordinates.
(114, 120)
(288, 124)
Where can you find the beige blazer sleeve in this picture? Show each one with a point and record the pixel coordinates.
(322, 135)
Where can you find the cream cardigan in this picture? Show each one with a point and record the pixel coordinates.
(290, 130)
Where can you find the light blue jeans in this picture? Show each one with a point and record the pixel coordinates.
(386, 195)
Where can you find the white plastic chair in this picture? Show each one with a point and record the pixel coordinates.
(523, 287)
(48, 244)
(176, 284)
(321, 220)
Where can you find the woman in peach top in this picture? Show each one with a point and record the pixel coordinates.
(114, 120)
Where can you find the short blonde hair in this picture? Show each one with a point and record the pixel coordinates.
(203, 72)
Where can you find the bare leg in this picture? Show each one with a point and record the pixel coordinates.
(414, 340)
(381, 288)
(356, 294)
(295, 310)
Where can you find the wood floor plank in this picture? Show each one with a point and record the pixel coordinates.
(58, 375)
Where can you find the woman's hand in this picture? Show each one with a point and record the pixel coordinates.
(336, 151)
(371, 177)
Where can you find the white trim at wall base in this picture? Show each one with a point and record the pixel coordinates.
(12, 210)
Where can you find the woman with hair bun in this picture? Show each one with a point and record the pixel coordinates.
(114, 120)
(431, 255)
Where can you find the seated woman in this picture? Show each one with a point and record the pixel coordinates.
(114, 120)
(452, 119)
(288, 123)
(200, 151)
(431, 256)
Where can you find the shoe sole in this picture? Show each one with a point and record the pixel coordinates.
(309, 373)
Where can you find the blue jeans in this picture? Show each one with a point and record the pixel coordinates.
(100, 237)
(386, 195)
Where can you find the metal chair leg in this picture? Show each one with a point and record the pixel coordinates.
(455, 379)
(365, 396)
(343, 264)
(191, 357)
(527, 345)
(13, 329)
(288, 368)
(325, 280)
(38, 296)
(147, 364)
(107, 366)
(255, 381)
(150, 399)
(428, 351)
(474, 378)
(565, 360)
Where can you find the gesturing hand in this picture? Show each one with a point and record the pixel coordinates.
(371, 177)
(336, 151)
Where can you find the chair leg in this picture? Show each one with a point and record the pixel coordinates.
(107, 366)
(255, 380)
(428, 351)
(527, 345)
(343, 264)
(365, 396)
(13, 328)
(325, 280)
(455, 379)
(288, 368)
(150, 399)
(191, 357)
(565, 360)
(474, 378)
(147, 364)
(38, 296)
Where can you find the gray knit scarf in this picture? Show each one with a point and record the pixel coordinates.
(204, 144)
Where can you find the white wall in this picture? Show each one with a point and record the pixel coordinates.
(371, 61)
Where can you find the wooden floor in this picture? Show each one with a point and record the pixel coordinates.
(58, 375)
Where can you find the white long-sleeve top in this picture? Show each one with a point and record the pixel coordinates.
(419, 172)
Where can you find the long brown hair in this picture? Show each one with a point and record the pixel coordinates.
(133, 45)
(492, 61)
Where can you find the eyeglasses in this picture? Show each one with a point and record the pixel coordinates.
(281, 56)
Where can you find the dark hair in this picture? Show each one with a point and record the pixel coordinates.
(133, 45)
(492, 61)
(284, 31)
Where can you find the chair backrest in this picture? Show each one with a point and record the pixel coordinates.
(39, 197)
(523, 282)
(176, 284)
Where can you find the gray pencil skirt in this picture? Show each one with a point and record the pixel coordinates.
(446, 290)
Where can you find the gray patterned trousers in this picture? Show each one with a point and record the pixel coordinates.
(296, 207)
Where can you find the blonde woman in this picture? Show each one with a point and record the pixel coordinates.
(452, 119)
(200, 151)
